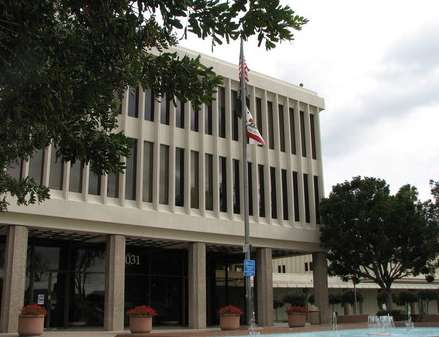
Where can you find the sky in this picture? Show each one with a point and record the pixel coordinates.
(376, 64)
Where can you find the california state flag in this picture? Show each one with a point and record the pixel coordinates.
(253, 135)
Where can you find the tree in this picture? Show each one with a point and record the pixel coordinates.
(370, 234)
(65, 64)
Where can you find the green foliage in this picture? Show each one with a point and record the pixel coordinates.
(427, 295)
(349, 297)
(405, 297)
(334, 299)
(370, 234)
(65, 64)
(295, 300)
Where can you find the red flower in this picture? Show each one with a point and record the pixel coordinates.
(33, 310)
(142, 310)
(230, 310)
(293, 309)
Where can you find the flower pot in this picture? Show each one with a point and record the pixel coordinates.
(30, 325)
(296, 319)
(140, 324)
(229, 322)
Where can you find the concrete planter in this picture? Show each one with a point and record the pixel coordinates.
(140, 324)
(229, 322)
(30, 325)
(296, 319)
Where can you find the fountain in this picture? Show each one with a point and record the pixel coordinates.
(334, 326)
(253, 329)
(380, 325)
(409, 324)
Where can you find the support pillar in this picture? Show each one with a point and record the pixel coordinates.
(264, 286)
(15, 277)
(115, 283)
(197, 285)
(320, 277)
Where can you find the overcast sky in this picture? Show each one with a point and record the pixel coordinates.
(376, 63)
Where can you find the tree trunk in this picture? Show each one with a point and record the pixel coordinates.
(388, 297)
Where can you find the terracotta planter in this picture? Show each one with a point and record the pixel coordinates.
(296, 319)
(229, 322)
(140, 324)
(30, 325)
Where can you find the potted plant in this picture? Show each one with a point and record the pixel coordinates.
(230, 317)
(31, 320)
(140, 319)
(296, 316)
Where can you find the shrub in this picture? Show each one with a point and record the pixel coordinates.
(230, 310)
(33, 310)
(296, 309)
(334, 299)
(349, 297)
(142, 310)
(427, 295)
(404, 298)
(295, 300)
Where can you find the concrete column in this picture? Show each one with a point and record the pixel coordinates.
(320, 276)
(264, 285)
(197, 285)
(115, 283)
(15, 277)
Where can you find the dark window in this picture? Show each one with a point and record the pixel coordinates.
(302, 131)
(259, 115)
(270, 125)
(273, 193)
(208, 120)
(94, 182)
(76, 170)
(222, 112)
(284, 194)
(223, 184)
(292, 132)
(148, 161)
(317, 198)
(283, 269)
(36, 165)
(261, 191)
(310, 266)
(296, 197)
(235, 118)
(282, 128)
(133, 102)
(195, 185)
(306, 195)
(195, 118)
(306, 266)
(209, 182)
(179, 114)
(149, 105)
(313, 136)
(56, 171)
(131, 172)
(164, 174)
(250, 189)
(179, 177)
(279, 270)
(236, 188)
(113, 185)
(164, 110)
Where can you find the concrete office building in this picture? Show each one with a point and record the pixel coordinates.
(167, 231)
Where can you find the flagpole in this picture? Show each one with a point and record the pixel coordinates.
(247, 248)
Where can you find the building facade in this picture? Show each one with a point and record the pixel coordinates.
(168, 231)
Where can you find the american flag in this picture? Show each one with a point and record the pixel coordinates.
(243, 69)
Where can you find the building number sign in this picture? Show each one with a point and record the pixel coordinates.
(132, 259)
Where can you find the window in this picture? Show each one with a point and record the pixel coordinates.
(302, 131)
(56, 171)
(306, 266)
(296, 197)
(236, 188)
(113, 185)
(133, 102)
(36, 165)
(235, 118)
(317, 198)
(195, 119)
(164, 110)
(273, 193)
(270, 125)
(259, 115)
(149, 105)
(179, 177)
(131, 172)
(222, 112)
(223, 184)
(279, 269)
(306, 195)
(311, 266)
(164, 174)
(179, 114)
(195, 185)
(208, 120)
(284, 194)
(313, 136)
(292, 132)
(284, 269)
(94, 182)
(148, 164)
(261, 191)
(209, 182)
(250, 189)
(76, 169)
(281, 128)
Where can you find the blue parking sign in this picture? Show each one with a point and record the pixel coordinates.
(249, 268)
